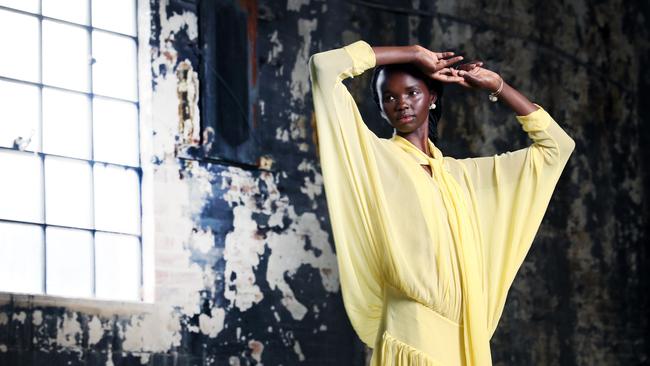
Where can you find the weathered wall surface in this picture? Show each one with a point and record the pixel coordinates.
(245, 271)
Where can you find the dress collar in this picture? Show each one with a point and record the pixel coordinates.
(416, 153)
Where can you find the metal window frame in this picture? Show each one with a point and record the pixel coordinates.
(89, 28)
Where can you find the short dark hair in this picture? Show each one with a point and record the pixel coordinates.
(433, 85)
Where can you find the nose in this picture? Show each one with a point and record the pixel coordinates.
(402, 104)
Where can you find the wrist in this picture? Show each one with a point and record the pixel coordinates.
(496, 93)
(414, 53)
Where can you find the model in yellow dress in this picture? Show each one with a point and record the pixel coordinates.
(426, 256)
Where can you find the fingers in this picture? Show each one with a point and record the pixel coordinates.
(444, 54)
(448, 75)
(448, 62)
(470, 65)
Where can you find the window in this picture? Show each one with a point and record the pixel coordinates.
(70, 176)
(227, 38)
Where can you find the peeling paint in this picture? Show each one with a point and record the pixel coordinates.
(257, 348)
(156, 332)
(95, 330)
(295, 5)
(298, 351)
(37, 317)
(299, 73)
(69, 331)
(212, 325)
(4, 319)
(20, 317)
(287, 248)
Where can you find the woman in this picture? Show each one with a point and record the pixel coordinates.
(427, 245)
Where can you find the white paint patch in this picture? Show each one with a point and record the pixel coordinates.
(4, 319)
(295, 5)
(95, 331)
(156, 332)
(298, 351)
(202, 240)
(144, 358)
(276, 47)
(169, 27)
(233, 361)
(311, 187)
(37, 317)
(68, 333)
(20, 317)
(282, 134)
(300, 73)
(288, 253)
(256, 348)
(242, 255)
(212, 325)
(3, 348)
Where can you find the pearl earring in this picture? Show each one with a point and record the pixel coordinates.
(432, 106)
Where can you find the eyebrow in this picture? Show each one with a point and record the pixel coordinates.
(409, 88)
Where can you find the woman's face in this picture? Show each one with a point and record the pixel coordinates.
(404, 100)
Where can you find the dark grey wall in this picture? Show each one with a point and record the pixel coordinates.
(267, 288)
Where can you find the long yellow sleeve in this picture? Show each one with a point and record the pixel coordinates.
(510, 193)
(346, 154)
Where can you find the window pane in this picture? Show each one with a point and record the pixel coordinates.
(66, 56)
(21, 258)
(117, 199)
(68, 192)
(19, 121)
(19, 39)
(26, 5)
(71, 10)
(115, 123)
(118, 266)
(69, 255)
(114, 70)
(66, 123)
(21, 192)
(115, 15)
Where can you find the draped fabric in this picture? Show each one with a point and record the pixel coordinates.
(426, 261)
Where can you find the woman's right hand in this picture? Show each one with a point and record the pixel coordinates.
(435, 64)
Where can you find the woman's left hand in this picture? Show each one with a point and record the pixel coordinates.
(474, 76)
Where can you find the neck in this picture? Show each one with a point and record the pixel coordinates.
(419, 138)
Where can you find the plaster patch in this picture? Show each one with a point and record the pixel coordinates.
(311, 187)
(37, 317)
(202, 240)
(298, 351)
(155, 332)
(95, 331)
(214, 324)
(289, 249)
(20, 317)
(300, 73)
(68, 333)
(242, 255)
(167, 55)
(256, 348)
(295, 5)
(276, 47)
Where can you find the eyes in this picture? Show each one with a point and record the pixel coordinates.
(387, 98)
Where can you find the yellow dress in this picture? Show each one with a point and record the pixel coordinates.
(426, 261)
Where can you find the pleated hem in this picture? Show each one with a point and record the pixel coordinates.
(394, 352)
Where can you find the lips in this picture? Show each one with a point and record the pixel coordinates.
(406, 118)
